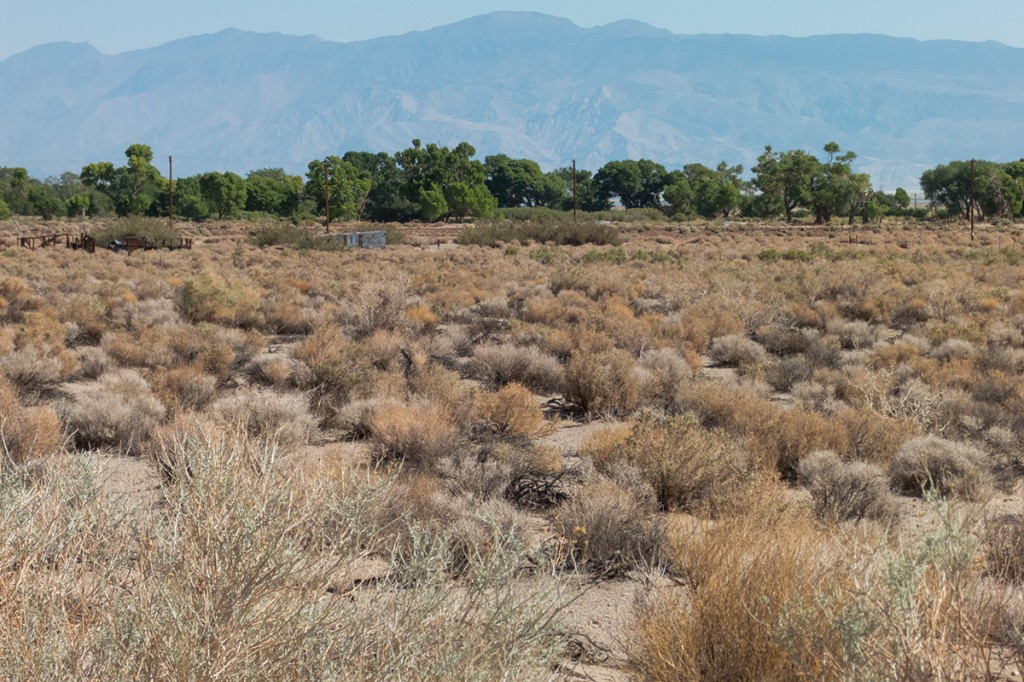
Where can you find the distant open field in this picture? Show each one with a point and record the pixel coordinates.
(702, 451)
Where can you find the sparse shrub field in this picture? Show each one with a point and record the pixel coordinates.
(644, 450)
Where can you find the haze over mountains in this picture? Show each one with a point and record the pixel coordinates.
(523, 84)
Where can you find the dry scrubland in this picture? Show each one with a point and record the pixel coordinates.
(718, 452)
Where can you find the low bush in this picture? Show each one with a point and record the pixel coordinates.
(783, 374)
(295, 236)
(31, 370)
(498, 365)
(745, 573)
(153, 229)
(690, 468)
(338, 367)
(93, 361)
(562, 234)
(845, 491)
(779, 441)
(668, 370)
(606, 530)
(27, 433)
(280, 419)
(211, 298)
(379, 303)
(278, 371)
(603, 382)
(17, 297)
(930, 463)
(855, 335)
(1004, 548)
(513, 411)
(118, 410)
(184, 387)
(415, 434)
(873, 437)
(737, 351)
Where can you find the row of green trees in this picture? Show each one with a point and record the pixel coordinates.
(433, 182)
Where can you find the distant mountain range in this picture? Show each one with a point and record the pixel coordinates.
(523, 84)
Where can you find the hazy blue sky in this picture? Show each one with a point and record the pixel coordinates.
(119, 25)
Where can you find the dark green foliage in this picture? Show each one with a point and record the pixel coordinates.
(386, 201)
(998, 188)
(442, 183)
(134, 187)
(637, 184)
(344, 184)
(225, 193)
(706, 192)
(272, 191)
(520, 182)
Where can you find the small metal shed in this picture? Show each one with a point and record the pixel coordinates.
(375, 239)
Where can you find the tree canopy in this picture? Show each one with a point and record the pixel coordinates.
(436, 182)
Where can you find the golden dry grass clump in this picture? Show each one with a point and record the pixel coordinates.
(27, 432)
(512, 410)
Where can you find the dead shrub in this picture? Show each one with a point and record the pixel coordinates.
(377, 304)
(415, 434)
(690, 468)
(93, 361)
(668, 370)
(17, 298)
(281, 419)
(497, 365)
(278, 371)
(184, 387)
(604, 382)
(845, 491)
(27, 433)
(930, 463)
(735, 350)
(117, 410)
(513, 410)
(1004, 548)
(783, 374)
(211, 298)
(31, 370)
(606, 530)
(745, 574)
(338, 367)
(874, 437)
(779, 441)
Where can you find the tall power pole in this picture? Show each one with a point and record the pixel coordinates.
(170, 189)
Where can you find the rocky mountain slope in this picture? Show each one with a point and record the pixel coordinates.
(524, 84)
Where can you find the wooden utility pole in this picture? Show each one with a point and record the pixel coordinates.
(327, 199)
(574, 191)
(170, 189)
(972, 200)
